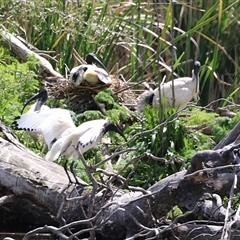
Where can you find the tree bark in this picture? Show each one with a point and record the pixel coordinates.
(39, 187)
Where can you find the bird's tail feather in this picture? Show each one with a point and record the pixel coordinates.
(55, 151)
(58, 148)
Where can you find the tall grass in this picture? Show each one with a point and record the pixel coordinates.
(134, 39)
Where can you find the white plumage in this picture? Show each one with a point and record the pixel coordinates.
(185, 88)
(90, 72)
(34, 107)
(84, 137)
(60, 133)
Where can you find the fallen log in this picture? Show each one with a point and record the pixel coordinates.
(31, 188)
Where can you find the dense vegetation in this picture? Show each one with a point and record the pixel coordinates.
(134, 39)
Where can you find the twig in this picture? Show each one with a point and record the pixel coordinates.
(7, 199)
(226, 230)
(94, 190)
(115, 154)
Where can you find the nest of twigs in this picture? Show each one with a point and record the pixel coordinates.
(82, 98)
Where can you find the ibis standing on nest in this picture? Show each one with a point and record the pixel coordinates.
(185, 88)
(90, 72)
(60, 133)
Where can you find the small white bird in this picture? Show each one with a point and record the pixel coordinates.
(90, 72)
(185, 88)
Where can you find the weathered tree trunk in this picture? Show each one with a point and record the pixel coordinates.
(19, 49)
(36, 188)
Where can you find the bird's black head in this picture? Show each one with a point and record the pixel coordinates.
(196, 67)
(42, 97)
(149, 98)
(92, 58)
(145, 98)
(110, 127)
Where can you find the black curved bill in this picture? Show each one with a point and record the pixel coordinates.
(42, 97)
(92, 58)
(110, 127)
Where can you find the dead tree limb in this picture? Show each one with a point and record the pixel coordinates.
(22, 52)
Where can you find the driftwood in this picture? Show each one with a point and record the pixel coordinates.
(39, 193)
(22, 52)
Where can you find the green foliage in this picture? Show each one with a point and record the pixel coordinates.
(115, 112)
(199, 117)
(176, 211)
(16, 80)
(161, 140)
(220, 125)
(88, 115)
(115, 33)
(107, 98)
(112, 110)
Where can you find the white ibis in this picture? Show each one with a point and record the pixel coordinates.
(60, 133)
(90, 72)
(185, 88)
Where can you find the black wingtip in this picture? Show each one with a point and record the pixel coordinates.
(15, 123)
(16, 118)
(145, 98)
(16, 126)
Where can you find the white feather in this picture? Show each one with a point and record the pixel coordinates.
(35, 135)
(184, 91)
(52, 123)
(90, 73)
(60, 133)
(88, 135)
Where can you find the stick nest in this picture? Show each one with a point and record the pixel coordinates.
(81, 98)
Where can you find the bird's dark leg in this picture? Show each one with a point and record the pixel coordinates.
(66, 170)
(72, 171)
